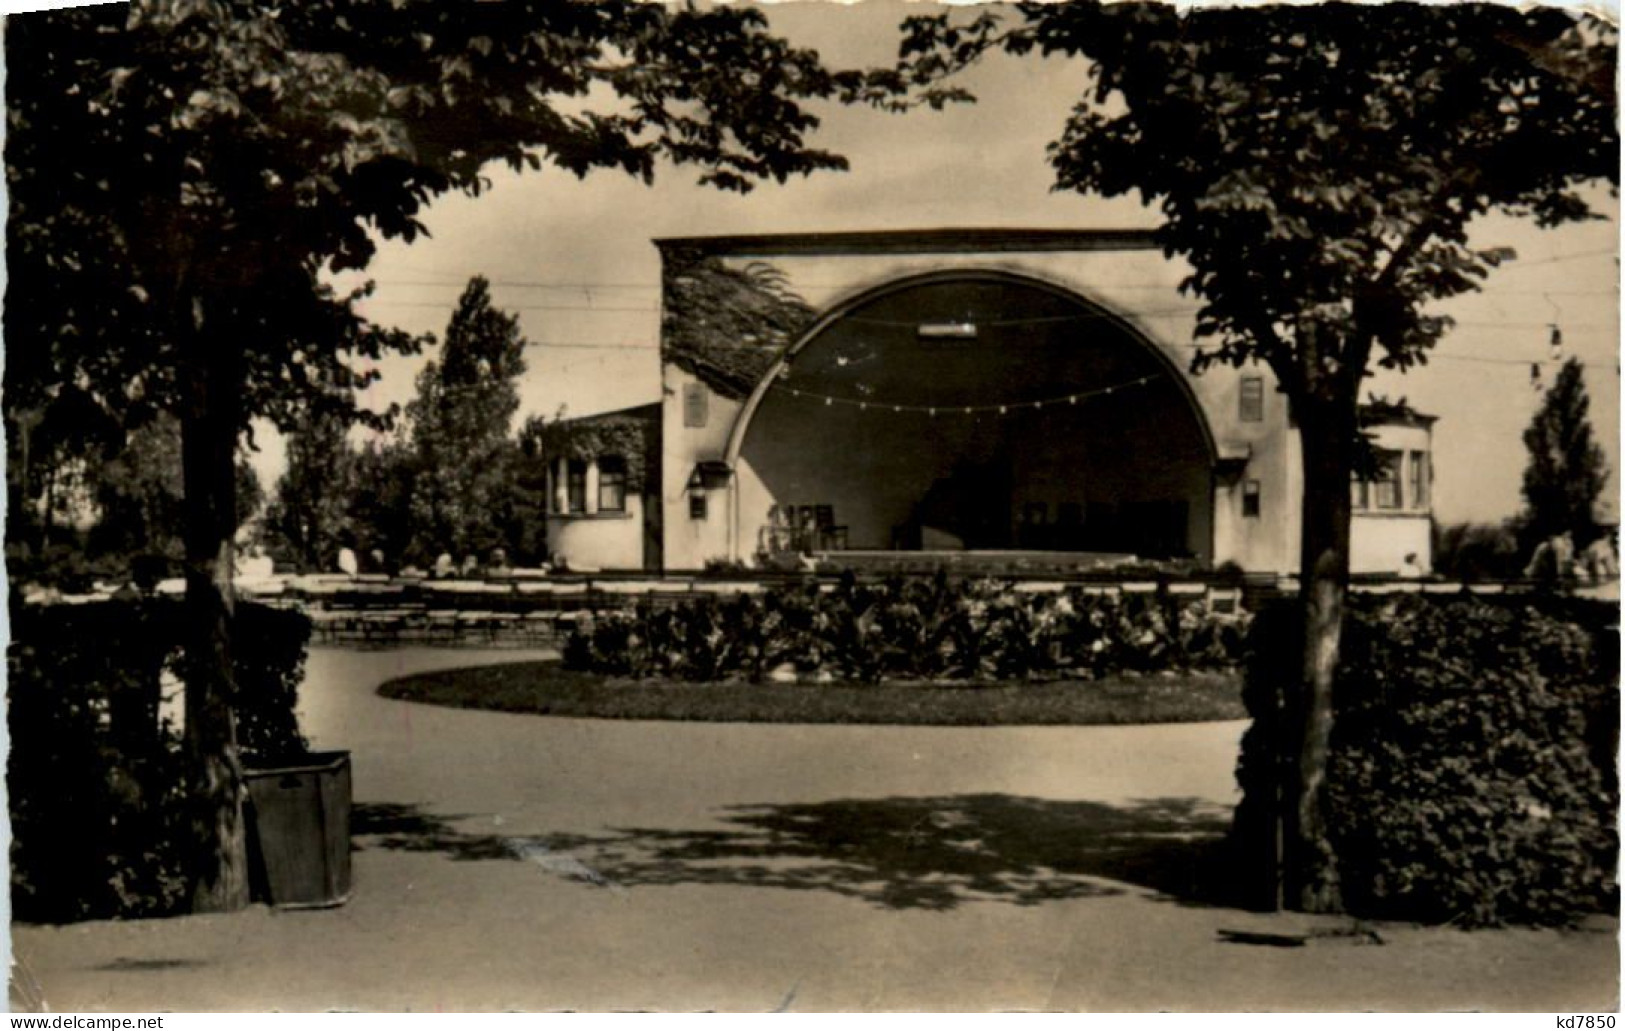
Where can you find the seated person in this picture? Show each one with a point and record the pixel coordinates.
(1410, 569)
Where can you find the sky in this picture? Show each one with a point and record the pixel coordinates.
(574, 259)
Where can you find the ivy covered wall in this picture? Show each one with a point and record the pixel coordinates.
(727, 323)
(632, 434)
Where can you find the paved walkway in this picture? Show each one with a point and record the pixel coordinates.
(517, 862)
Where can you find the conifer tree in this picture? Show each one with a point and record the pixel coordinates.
(1567, 472)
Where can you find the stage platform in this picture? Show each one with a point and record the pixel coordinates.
(991, 563)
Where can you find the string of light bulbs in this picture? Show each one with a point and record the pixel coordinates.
(1032, 320)
(1005, 408)
(1151, 313)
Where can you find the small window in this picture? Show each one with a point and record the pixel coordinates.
(1252, 399)
(612, 484)
(696, 506)
(1251, 494)
(695, 403)
(1421, 473)
(1359, 493)
(576, 486)
(1385, 485)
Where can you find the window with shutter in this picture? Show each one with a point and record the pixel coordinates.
(1419, 479)
(1252, 399)
(611, 484)
(695, 398)
(1385, 487)
(576, 485)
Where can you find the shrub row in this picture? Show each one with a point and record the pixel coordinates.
(97, 774)
(909, 629)
(1471, 774)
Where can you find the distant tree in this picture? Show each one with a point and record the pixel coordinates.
(1567, 472)
(139, 494)
(525, 508)
(44, 443)
(123, 489)
(1318, 167)
(460, 421)
(1478, 551)
(378, 509)
(182, 174)
(308, 516)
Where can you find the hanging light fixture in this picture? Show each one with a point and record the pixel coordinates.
(946, 332)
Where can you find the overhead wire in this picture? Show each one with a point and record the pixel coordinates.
(388, 303)
(545, 284)
(1181, 310)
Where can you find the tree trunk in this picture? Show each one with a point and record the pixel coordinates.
(21, 499)
(208, 446)
(50, 511)
(1327, 434)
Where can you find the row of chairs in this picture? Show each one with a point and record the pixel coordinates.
(487, 613)
(442, 626)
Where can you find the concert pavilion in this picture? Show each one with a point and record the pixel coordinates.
(1018, 398)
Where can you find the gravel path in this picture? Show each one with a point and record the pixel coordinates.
(519, 862)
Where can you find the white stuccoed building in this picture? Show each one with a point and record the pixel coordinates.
(951, 391)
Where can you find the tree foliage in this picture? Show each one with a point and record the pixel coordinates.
(1319, 168)
(379, 508)
(104, 501)
(453, 480)
(138, 495)
(183, 174)
(463, 452)
(307, 519)
(1567, 472)
(285, 138)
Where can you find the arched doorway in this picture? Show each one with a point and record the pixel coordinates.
(977, 411)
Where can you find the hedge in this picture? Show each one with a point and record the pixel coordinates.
(909, 629)
(96, 775)
(1471, 776)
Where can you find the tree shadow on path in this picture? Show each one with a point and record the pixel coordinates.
(408, 828)
(896, 853)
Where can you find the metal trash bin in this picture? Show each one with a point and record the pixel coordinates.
(299, 844)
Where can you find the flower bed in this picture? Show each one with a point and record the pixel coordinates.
(910, 629)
